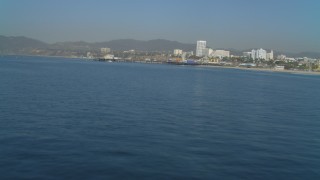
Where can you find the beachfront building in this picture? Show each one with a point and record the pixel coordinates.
(270, 55)
(109, 56)
(220, 53)
(201, 48)
(258, 54)
(89, 55)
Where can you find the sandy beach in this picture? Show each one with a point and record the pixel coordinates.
(270, 70)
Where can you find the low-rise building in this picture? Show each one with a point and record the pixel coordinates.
(109, 56)
(220, 53)
(177, 52)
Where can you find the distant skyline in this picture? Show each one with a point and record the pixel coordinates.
(286, 25)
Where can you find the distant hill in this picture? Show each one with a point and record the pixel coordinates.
(24, 45)
(77, 45)
(308, 54)
(128, 44)
(20, 42)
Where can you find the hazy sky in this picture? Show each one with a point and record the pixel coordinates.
(286, 25)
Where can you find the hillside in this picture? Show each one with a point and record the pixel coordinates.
(28, 46)
(20, 42)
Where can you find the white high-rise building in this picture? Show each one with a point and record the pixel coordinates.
(253, 54)
(261, 54)
(201, 48)
(258, 54)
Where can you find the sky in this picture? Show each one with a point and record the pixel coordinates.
(283, 25)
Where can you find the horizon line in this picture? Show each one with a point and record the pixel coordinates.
(104, 41)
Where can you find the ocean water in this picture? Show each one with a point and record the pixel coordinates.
(77, 119)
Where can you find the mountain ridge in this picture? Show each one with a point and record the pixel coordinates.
(14, 44)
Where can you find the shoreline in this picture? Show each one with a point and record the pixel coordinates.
(210, 66)
(268, 70)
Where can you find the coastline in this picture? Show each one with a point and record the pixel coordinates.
(280, 71)
(266, 70)
(210, 66)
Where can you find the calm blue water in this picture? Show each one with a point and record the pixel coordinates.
(76, 119)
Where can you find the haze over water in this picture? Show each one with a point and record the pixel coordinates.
(77, 119)
(286, 25)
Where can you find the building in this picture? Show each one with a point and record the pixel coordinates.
(204, 52)
(253, 54)
(207, 52)
(177, 52)
(186, 55)
(259, 54)
(281, 57)
(105, 50)
(89, 55)
(220, 53)
(270, 55)
(201, 48)
(109, 56)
